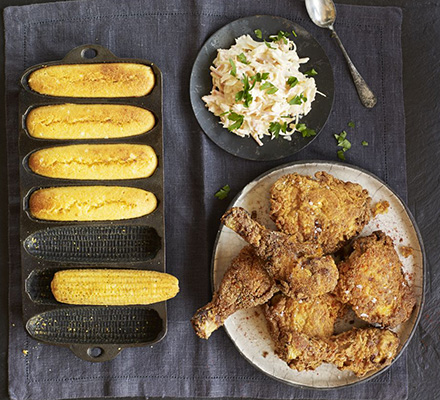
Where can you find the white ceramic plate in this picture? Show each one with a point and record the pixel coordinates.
(247, 328)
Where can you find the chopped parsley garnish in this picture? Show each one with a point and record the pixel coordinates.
(276, 127)
(245, 94)
(269, 88)
(344, 143)
(351, 124)
(233, 67)
(294, 33)
(292, 81)
(280, 36)
(259, 77)
(248, 85)
(258, 33)
(341, 155)
(223, 192)
(364, 143)
(305, 132)
(311, 72)
(238, 118)
(297, 99)
(247, 97)
(239, 95)
(242, 58)
(268, 45)
(308, 132)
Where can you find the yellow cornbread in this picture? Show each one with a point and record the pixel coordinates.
(93, 80)
(113, 286)
(88, 121)
(95, 161)
(91, 203)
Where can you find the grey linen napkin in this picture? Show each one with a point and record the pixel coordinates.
(170, 34)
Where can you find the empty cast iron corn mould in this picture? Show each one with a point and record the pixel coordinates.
(94, 332)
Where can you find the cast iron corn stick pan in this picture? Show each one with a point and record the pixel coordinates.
(93, 333)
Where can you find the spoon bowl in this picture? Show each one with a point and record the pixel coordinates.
(322, 12)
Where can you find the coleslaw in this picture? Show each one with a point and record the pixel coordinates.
(258, 89)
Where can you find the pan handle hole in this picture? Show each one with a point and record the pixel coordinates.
(95, 352)
(89, 53)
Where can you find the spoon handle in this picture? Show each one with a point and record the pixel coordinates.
(367, 97)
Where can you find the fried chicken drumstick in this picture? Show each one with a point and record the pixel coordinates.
(324, 210)
(245, 284)
(298, 268)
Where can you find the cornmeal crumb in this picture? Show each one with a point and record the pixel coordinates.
(381, 207)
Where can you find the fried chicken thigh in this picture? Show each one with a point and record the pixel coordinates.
(298, 268)
(324, 210)
(296, 327)
(372, 282)
(245, 284)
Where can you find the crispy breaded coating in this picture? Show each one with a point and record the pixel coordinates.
(245, 284)
(372, 282)
(298, 268)
(315, 317)
(324, 210)
(296, 325)
(364, 350)
(302, 352)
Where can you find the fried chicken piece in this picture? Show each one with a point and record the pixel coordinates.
(245, 284)
(296, 327)
(315, 317)
(364, 350)
(302, 352)
(298, 268)
(372, 282)
(324, 210)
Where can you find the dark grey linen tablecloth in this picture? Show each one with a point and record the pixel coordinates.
(170, 34)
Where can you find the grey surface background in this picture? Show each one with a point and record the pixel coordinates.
(420, 49)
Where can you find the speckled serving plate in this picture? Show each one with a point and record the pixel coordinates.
(247, 328)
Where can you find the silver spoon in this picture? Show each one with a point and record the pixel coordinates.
(323, 14)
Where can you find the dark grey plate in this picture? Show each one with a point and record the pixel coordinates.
(201, 85)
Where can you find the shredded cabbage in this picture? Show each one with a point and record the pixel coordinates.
(267, 111)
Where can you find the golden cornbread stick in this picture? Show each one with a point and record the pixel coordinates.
(113, 287)
(88, 121)
(93, 80)
(95, 161)
(91, 203)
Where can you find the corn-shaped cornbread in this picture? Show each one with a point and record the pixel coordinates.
(88, 121)
(113, 287)
(93, 80)
(91, 203)
(95, 161)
